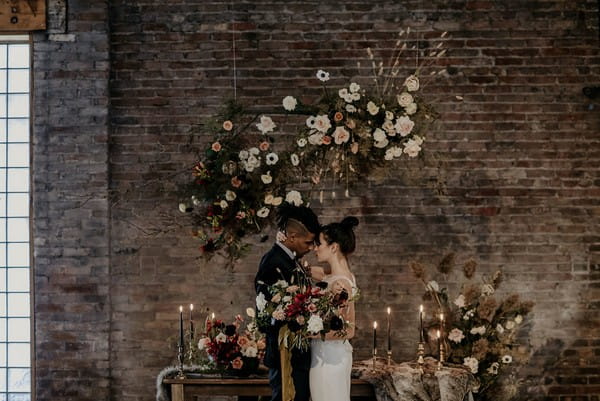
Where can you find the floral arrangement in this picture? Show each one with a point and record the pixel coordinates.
(231, 348)
(236, 186)
(242, 176)
(307, 312)
(482, 329)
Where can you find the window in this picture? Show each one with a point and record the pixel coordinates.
(15, 282)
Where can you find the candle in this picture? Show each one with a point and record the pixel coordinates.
(421, 323)
(180, 326)
(213, 316)
(191, 323)
(374, 337)
(439, 343)
(389, 332)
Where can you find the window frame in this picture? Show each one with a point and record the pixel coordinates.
(28, 40)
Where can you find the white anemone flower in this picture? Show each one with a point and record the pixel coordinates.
(323, 76)
(272, 158)
(263, 212)
(294, 159)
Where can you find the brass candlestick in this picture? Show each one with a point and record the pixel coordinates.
(389, 358)
(442, 355)
(180, 356)
(420, 356)
(374, 358)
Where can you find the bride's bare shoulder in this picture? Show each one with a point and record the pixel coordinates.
(317, 273)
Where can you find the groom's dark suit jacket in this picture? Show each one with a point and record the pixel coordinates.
(267, 275)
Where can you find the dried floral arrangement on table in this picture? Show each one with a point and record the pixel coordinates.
(349, 130)
(481, 328)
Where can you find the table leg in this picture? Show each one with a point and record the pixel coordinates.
(177, 392)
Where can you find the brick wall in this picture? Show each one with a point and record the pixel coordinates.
(510, 174)
(71, 209)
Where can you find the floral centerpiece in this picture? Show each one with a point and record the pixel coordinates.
(482, 328)
(230, 347)
(241, 176)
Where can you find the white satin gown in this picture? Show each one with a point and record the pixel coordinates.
(331, 364)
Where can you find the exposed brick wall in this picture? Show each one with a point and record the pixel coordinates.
(510, 173)
(70, 208)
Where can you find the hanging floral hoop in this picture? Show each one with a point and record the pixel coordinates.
(242, 178)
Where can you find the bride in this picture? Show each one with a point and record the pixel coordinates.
(331, 359)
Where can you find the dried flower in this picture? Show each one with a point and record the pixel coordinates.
(418, 269)
(487, 309)
(497, 279)
(510, 303)
(469, 268)
(480, 348)
(471, 292)
(446, 264)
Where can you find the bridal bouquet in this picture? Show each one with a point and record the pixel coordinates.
(306, 311)
(231, 347)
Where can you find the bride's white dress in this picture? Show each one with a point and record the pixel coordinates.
(331, 364)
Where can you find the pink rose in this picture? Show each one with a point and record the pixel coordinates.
(237, 363)
(278, 314)
(216, 146)
(312, 308)
(243, 341)
(292, 289)
(264, 146)
(227, 125)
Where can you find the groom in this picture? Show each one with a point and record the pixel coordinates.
(298, 226)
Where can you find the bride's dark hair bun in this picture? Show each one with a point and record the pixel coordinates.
(349, 222)
(342, 233)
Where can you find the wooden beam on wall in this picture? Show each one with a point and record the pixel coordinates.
(22, 15)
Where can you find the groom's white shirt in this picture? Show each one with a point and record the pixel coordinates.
(287, 250)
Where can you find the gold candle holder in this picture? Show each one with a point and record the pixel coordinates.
(420, 353)
(389, 358)
(442, 355)
(374, 358)
(180, 357)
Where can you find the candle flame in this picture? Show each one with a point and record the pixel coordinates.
(389, 310)
(442, 317)
(374, 325)
(438, 334)
(421, 308)
(180, 308)
(191, 306)
(213, 315)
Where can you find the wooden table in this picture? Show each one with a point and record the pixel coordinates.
(189, 389)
